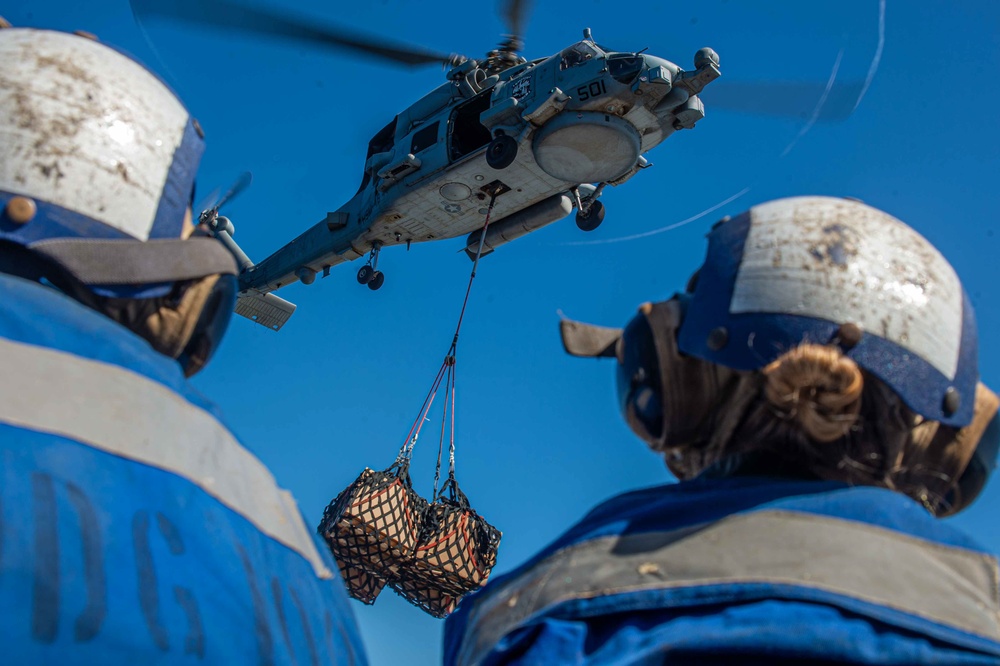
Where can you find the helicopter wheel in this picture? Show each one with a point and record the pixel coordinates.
(501, 152)
(366, 274)
(378, 278)
(592, 219)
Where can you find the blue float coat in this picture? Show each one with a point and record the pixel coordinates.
(135, 527)
(742, 570)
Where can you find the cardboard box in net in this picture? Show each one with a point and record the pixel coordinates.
(457, 549)
(381, 510)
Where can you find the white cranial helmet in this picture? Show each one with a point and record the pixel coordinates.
(801, 269)
(95, 154)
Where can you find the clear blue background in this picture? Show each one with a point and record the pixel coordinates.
(539, 437)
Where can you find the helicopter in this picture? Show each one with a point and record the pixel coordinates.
(527, 141)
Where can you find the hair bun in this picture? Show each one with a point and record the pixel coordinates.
(817, 387)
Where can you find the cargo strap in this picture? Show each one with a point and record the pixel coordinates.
(446, 375)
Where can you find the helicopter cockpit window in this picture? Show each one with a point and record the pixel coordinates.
(424, 138)
(624, 67)
(578, 54)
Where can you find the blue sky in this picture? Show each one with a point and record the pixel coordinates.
(539, 437)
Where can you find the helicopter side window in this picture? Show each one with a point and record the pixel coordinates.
(578, 54)
(467, 133)
(424, 138)
(624, 67)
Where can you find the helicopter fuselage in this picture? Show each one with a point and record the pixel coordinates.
(557, 130)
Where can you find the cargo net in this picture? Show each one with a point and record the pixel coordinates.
(455, 552)
(382, 532)
(372, 526)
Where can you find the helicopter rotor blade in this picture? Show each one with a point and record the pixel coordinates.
(786, 99)
(228, 15)
(514, 13)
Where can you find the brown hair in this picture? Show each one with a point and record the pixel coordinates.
(818, 388)
(815, 408)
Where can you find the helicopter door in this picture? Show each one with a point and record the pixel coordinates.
(465, 133)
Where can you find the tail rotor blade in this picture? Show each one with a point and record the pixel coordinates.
(242, 183)
(209, 202)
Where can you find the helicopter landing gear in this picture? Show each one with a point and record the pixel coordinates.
(501, 152)
(369, 273)
(589, 211)
(591, 218)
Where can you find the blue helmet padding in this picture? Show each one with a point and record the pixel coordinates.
(756, 339)
(176, 195)
(53, 221)
(60, 222)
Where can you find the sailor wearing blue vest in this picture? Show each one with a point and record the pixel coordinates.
(134, 527)
(816, 392)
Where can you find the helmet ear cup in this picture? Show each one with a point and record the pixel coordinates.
(213, 320)
(982, 463)
(666, 397)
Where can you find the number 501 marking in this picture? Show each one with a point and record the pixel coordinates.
(593, 89)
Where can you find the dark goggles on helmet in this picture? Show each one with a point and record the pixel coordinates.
(638, 380)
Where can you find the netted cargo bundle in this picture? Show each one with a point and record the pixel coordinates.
(372, 528)
(456, 547)
(381, 532)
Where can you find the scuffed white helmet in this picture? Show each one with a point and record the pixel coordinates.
(95, 154)
(801, 269)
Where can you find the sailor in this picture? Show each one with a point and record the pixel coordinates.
(816, 392)
(134, 526)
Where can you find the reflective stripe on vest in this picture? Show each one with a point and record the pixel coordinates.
(128, 415)
(951, 586)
